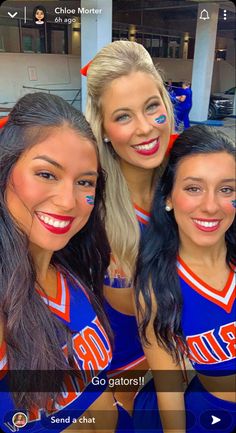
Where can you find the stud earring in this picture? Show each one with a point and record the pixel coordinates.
(106, 140)
(168, 208)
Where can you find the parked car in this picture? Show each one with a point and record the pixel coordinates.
(220, 104)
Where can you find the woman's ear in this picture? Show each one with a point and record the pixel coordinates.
(169, 205)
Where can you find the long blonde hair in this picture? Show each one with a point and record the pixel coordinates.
(114, 61)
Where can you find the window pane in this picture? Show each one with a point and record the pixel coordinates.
(33, 40)
(9, 35)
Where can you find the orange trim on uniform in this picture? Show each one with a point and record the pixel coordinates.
(3, 360)
(3, 121)
(173, 137)
(3, 350)
(61, 304)
(222, 293)
(142, 210)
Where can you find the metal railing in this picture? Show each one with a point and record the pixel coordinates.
(75, 98)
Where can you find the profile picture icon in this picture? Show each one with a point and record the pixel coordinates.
(39, 15)
(19, 419)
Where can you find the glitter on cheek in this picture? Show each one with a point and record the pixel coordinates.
(161, 119)
(90, 199)
(233, 203)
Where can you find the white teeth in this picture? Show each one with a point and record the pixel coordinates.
(146, 146)
(207, 223)
(53, 222)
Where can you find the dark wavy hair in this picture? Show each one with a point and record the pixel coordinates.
(156, 270)
(34, 336)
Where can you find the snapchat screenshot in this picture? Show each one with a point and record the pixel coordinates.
(117, 216)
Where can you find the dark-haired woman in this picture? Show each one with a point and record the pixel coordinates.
(185, 284)
(53, 254)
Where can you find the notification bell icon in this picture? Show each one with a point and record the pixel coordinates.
(204, 15)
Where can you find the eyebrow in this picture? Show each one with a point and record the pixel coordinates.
(56, 164)
(199, 179)
(146, 102)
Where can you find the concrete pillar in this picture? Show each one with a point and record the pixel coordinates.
(203, 63)
(96, 32)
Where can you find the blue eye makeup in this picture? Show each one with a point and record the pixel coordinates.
(161, 119)
(90, 199)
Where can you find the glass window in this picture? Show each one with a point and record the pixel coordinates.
(147, 42)
(33, 39)
(174, 47)
(156, 46)
(9, 35)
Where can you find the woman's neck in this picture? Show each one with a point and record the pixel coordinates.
(140, 183)
(41, 259)
(209, 257)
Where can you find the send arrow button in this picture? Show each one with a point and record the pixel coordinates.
(215, 419)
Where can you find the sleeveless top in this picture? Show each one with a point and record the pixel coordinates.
(208, 323)
(92, 356)
(127, 351)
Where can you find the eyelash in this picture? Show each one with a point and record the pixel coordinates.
(195, 189)
(46, 175)
(228, 188)
(153, 104)
(192, 189)
(49, 176)
(123, 117)
(89, 183)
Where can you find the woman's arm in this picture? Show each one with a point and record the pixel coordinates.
(168, 380)
(181, 98)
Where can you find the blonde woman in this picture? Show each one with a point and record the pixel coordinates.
(131, 116)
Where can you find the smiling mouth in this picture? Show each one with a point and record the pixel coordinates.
(55, 223)
(147, 148)
(207, 225)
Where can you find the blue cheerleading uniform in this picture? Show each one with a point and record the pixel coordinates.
(127, 352)
(92, 356)
(182, 109)
(211, 340)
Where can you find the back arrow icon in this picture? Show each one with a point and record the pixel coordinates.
(215, 419)
(12, 15)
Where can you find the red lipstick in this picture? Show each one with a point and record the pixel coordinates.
(153, 149)
(206, 225)
(56, 224)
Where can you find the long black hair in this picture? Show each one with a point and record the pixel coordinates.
(34, 336)
(156, 270)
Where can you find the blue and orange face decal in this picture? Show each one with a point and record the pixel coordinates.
(90, 199)
(161, 119)
(233, 203)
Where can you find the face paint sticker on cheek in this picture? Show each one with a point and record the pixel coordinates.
(233, 203)
(90, 199)
(161, 119)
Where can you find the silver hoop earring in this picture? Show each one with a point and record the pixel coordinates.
(168, 208)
